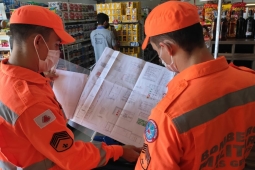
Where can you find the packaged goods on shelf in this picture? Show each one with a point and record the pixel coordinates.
(132, 51)
(128, 33)
(81, 54)
(208, 13)
(124, 11)
(80, 31)
(73, 11)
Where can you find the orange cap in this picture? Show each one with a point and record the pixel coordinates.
(36, 15)
(168, 17)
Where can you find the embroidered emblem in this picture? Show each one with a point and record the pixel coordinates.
(151, 131)
(61, 141)
(145, 157)
(45, 118)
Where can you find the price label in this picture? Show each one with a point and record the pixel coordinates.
(134, 44)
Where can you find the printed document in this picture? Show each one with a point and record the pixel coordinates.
(119, 95)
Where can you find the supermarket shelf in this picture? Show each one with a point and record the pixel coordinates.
(5, 49)
(79, 41)
(77, 57)
(237, 41)
(237, 55)
(75, 21)
(127, 22)
(128, 44)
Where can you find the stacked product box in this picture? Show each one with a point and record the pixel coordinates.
(124, 11)
(132, 51)
(81, 54)
(73, 11)
(80, 31)
(129, 33)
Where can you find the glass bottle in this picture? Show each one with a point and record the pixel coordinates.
(240, 26)
(249, 33)
(232, 25)
(214, 24)
(224, 27)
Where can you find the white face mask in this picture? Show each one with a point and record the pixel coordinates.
(50, 61)
(172, 66)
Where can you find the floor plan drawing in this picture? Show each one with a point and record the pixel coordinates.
(119, 95)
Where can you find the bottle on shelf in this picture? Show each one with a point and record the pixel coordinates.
(240, 26)
(232, 25)
(249, 33)
(223, 27)
(214, 24)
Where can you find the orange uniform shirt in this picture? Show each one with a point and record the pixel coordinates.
(33, 132)
(205, 121)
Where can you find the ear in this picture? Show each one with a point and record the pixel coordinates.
(170, 46)
(37, 41)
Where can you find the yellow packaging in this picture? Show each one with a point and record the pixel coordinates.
(135, 33)
(117, 5)
(108, 6)
(113, 12)
(98, 6)
(135, 26)
(102, 6)
(134, 11)
(128, 11)
(135, 38)
(128, 17)
(129, 38)
(124, 17)
(130, 26)
(136, 4)
(124, 26)
(118, 17)
(118, 12)
(134, 18)
(108, 12)
(112, 5)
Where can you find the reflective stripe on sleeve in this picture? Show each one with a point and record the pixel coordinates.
(42, 165)
(8, 115)
(102, 152)
(211, 110)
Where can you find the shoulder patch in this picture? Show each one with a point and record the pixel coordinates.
(45, 118)
(61, 141)
(151, 131)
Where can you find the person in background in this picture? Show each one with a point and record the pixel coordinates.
(33, 131)
(102, 37)
(206, 120)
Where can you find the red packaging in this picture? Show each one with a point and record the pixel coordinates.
(76, 15)
(71, 15)
(79, 7)
(64, 6)
(80, 15)
(238, 6)
(71, 7)
(65, 15)
(75, 6)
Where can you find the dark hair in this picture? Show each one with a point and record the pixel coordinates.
(101, 18)
(21, 32)
(187, 38)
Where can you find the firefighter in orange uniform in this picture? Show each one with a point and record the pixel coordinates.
(33, 132)
(206, 120)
